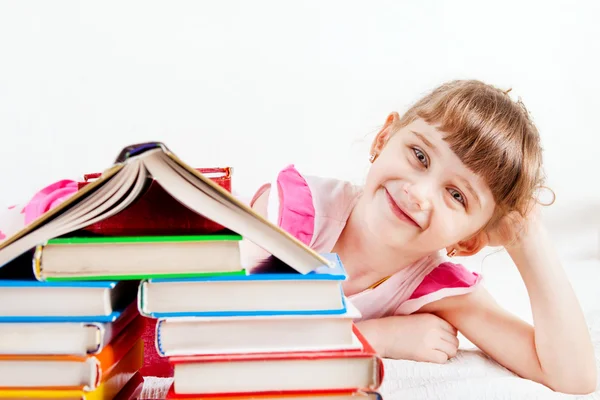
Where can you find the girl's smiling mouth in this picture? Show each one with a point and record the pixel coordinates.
(398, 211)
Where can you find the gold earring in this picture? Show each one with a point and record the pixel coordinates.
(372, 158)
(451, 253)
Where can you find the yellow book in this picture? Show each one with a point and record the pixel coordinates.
(114, 381)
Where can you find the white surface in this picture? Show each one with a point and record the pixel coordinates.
(260, 84)
(257, 85)
(470, 375)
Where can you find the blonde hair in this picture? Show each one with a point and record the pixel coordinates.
(493, 135)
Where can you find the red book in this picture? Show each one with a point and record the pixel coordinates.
(356, 395)
(133, 389)
(156, 212)
(299, 372)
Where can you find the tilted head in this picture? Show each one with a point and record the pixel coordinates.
(455, 163)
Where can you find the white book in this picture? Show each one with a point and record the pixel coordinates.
(251, 334)
(122, 357)
(62, 338)
(269, 290)
(33, 301)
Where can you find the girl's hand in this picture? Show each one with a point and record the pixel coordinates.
(417, 337)
(513, 227)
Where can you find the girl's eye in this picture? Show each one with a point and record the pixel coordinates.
(457, 196)
(421, 157)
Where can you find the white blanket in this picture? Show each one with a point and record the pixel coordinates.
(470, 375)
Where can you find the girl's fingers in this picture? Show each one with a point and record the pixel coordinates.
(448, 327)
(437, 356)
(448, 348)
(452, 339)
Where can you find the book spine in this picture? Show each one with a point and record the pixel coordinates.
(37, 263)
(141, 299)
(158, 341)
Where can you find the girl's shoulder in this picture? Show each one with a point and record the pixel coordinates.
(444, 280)
(427, 280)
(311, 208)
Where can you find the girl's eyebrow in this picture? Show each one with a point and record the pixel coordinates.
(426, 141)
(470, 189)
(463, 180)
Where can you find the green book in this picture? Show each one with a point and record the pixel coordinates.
(138, 257)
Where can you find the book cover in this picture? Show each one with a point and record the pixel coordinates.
(271, 269)
(102, 363)
(221, 361)
(38, 265)
(133, 389)
(123, 183)
(27, 284)
(366, 351)
(44, 338)
(249, 334)
(121, 382)
(316, 395)
(158, 213)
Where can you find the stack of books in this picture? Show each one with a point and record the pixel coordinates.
(270, 331)
(66, 339)
(154, 237)
(135, 258)
(69, 323)
(285, 327)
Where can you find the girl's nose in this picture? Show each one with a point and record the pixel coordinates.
(418, 196)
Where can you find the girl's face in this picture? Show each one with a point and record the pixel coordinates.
(419, 195)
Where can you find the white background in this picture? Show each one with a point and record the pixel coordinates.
(260, 84)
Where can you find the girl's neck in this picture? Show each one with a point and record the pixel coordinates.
(366, 259)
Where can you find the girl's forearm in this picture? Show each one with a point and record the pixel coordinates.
(371, 330)
(562, 341)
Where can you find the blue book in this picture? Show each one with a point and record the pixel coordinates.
(271, 288)
(33, 301)
(63, 337)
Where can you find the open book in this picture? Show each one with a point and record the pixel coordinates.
(120, 185)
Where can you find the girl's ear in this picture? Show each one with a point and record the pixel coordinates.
(384, 134)
(470, 246)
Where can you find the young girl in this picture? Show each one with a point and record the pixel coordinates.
(458, 171)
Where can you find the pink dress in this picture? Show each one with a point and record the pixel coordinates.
(315, 211)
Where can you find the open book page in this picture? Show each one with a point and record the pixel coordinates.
(205, 197)
(112, 195)
(120, 185)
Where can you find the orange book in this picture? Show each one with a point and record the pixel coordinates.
(68, 372)
(122, 381)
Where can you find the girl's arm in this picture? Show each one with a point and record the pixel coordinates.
(557, 352)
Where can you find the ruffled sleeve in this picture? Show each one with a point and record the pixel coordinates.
(290, 206)
(16, 217)
(447, 279)
(48, 198)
